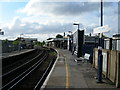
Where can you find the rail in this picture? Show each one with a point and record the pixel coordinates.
(20, 77)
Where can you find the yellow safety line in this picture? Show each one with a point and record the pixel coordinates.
(66, 65)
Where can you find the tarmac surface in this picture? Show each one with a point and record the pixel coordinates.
(69, 74)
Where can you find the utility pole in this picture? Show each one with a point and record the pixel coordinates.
(100, 56)
(101, 13)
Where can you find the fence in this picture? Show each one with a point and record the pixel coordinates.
(7, 46)
(111, 64)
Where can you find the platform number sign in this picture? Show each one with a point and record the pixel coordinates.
(1, 33)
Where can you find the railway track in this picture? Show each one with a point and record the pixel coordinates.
(30, 74)
(8, 76)
(18, 62)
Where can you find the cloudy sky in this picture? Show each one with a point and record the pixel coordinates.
(42, 19)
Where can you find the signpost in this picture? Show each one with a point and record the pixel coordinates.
(100, 31)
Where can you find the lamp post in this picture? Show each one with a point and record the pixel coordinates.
(76, 24)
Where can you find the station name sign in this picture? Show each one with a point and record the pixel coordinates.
(102, 29)
(1, 33)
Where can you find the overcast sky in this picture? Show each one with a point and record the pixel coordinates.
(42, 20)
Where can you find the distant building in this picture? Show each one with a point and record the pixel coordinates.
(29, 40)
(57, 42)
(26, 42)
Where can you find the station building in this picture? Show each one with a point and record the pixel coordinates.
(26, 42)
(58, 42)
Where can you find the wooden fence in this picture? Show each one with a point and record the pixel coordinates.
(111, 64)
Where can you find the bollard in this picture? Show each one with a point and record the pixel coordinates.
(100, 60)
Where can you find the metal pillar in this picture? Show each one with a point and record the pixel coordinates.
(100, 56)
(100, 60)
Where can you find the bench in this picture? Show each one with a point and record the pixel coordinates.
(83, 59)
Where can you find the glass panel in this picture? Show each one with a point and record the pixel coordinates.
(114, 44)
(118, 45)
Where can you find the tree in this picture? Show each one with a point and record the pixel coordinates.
(5, 41)
(15, 42)
(43, 43)
(59, 36)
(36, 43)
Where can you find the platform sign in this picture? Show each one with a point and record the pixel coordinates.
(102, 29)
(1, 33)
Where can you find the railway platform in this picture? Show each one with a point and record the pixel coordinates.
(69, 74)
(6, 55)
